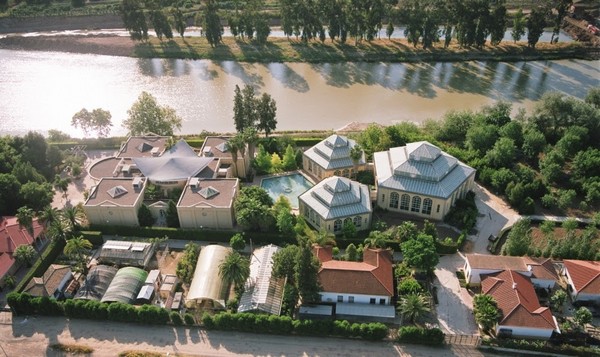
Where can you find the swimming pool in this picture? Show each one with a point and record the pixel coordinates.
(290, 186)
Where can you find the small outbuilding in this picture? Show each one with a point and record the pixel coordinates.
(125, 286)
(207, 288)
(124, 253)
(96, 282)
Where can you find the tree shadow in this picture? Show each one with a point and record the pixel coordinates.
(287, 76)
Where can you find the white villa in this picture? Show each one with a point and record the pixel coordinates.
(115, 201)
(208, 203)
(335, 201)
(331, 157)
(421, 180)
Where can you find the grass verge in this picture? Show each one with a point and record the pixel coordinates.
(72, 348)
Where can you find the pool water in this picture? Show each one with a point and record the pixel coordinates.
(290, 186)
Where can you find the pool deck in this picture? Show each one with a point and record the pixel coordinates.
(259, 179)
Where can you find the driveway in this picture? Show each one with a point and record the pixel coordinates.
(455, 307)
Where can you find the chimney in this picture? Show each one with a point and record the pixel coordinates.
(324, 254)
(514, 286)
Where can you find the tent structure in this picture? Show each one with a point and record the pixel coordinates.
(97, 281)
(125, 286)
(207, 287)
(178, 163)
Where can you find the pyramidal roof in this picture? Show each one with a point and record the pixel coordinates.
(144, 147)
(338, 184)
(336, 141)
(222, 147)
(208, 192)
(117, 191)
(423, 151)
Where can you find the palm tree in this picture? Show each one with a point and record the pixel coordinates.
(76, 248)
(25, 254)
(251, 139)
(73, 215)
(234, 145)
(62, 185)
(486, 311)
(59, 230)
(25, 218)
(49, 215)
(323, 238)
(376, 239)
(235, 269)
(413, 307)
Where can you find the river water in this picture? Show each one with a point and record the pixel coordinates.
(42, 90)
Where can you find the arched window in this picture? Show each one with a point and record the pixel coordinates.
(337, 173)
(416, 204)
(347, 220)
(337, 225)
(427, 203)
(357, 221)
(405, 202)
(345, 173)
(394, 198)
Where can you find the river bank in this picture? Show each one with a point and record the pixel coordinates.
(284, 50)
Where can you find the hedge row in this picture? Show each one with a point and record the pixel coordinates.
(284, 325)
(443, 247)
(25, 304)
(95, 237)
(190, 234)
(543, 346)
(419, 335)
(52, 251)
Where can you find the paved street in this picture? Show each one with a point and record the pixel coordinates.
(32, 336)
(455, 304)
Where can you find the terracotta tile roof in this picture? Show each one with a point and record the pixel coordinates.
(585, 275)
(372, 276)
(517, 300)
(227, 190)
(6, 262)
(48, 283)
(101, 194)
(496, 262)
(542, 268)
(12, 235)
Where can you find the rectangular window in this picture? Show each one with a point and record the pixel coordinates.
(340, 298)
(351, 299)
(372, 301)
(438, 209)
(383, 198)
(381, 301)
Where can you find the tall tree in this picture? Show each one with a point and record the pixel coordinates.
(519, 239)
(146, 115)
(172, 215)
(306, 275)
(145, 217)
(535, 26)
(134, 19)
(266, 112)
(235, 145)
(25, 217)
(519, 25)
(98, 120)
(497, 24)
(561, 7)
(179, 21)
(161, 24)
(212, 23)
(420, 252)
(73, 216)
(486, 311)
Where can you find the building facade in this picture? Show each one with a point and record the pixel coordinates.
(333, 157)
(420, 180)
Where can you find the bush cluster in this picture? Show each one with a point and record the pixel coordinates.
(463, 214)
(49, 255)
(419, 335)
(543, 346)
(25, 304)
(285, 325)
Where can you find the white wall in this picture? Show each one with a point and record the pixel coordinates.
(527, 332)
(206, 217)
(358, 298)
(473, 276)
(112, 215)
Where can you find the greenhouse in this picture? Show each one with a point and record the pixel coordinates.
(126, 285)
(97, 281)
(207, 288)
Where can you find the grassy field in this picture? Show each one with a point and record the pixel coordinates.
(395, 50)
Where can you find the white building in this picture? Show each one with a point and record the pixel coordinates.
(115, 201)
(358, 288)
(334, 202)
(208, 203)
(421, 180)
(583, 277)
(522, 314)
(331, 157)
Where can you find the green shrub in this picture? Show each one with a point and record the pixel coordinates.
(208, 320)
(189, 319)
(420, 335)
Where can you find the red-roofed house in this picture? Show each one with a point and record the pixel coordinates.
(358, 288)
(12, 235)
(522, 314)
(583, 277)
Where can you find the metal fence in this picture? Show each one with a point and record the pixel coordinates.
(469, 340)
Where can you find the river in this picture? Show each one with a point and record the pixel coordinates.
(42, 90)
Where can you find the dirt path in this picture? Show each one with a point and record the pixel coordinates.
(32, 336)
